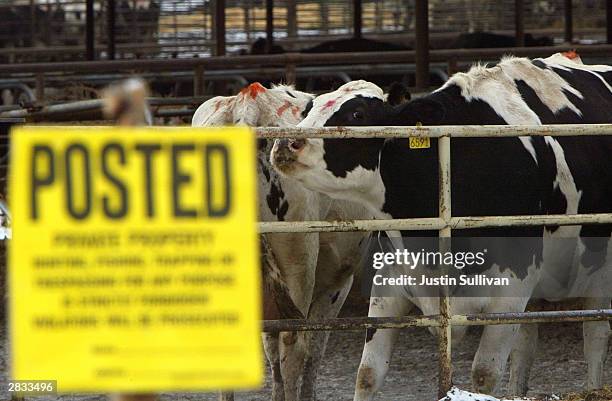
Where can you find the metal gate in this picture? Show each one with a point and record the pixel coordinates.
(444, 223)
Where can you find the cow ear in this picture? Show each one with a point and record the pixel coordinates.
(398, 93)
(423, 110)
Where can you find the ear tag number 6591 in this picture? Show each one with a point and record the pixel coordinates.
(419, 142)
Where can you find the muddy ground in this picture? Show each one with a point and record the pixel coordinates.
(559, 367)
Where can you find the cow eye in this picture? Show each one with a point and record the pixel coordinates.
(358, 115)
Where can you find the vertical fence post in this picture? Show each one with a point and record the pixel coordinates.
(609, 21)
(568, 21)
(290, 77)
(519, 22)
(219, 24)
(269, 26)
(422, 43)
(444, 336)
(357, 18)
(40, 88)
(198, 81)
(89, 30)
(110, 29)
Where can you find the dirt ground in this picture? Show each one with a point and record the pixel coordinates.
(559, 368)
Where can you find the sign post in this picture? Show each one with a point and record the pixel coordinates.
(134, 263)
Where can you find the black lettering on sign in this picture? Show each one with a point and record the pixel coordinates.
(222, 209)
(70, 156)
(108, 151)
(147, 151)
(179, 178)
(37, 181)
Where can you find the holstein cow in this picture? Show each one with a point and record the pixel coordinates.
(503, 176)
(317, 268)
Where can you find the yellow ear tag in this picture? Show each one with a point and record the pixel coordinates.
(419, 142)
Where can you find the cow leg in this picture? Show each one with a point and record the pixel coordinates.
(296, 256)
(495, 345)
(328, 300)
(271, 348)
(292, 350)
(595, 336)
(378, 346)
(521, 359)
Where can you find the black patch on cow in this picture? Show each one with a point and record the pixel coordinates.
(334, 297)
(540, 64)
(411, 177)
(282, 210)
(546, 116)
(307, 108)
(274, 198)
(289, 93)
(344, 156)
(369, 334)
(261, 144)
(263, 165)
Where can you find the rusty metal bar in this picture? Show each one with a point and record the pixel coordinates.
(456, 131)
(352, 323)
(298, 59)
(444, 210)
(433, 223)
(476, 319)
(568, 21)
(422, 44)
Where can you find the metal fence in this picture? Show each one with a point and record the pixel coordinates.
(444, 223)
(55, 29)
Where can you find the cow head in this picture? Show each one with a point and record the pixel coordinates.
(255, 106)
(348, 168)
(334, 165)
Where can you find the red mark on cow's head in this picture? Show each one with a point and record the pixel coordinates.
(253, 90)
(296, 111)
(283, 108)
(329, 104)
(572, 54)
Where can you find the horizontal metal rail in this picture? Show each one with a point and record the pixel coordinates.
(454, 131)
(433, 223)
(477, 319)
(297, 59)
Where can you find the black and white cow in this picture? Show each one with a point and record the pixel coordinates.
(505, 176)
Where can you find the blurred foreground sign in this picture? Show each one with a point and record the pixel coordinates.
(134, 264)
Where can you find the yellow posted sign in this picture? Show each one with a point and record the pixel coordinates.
(134, 264)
